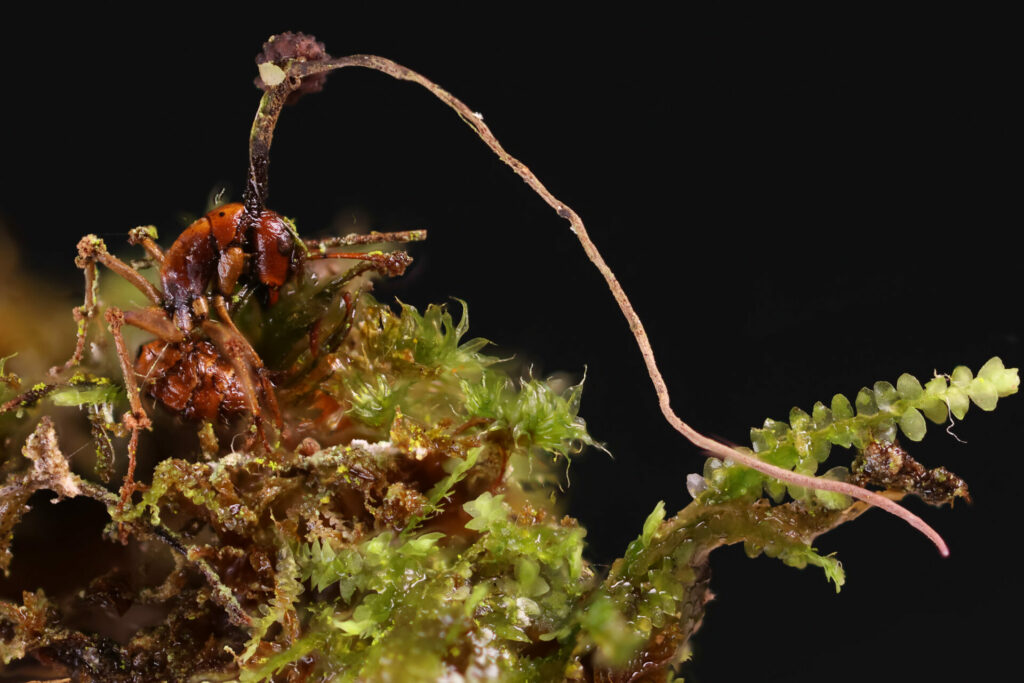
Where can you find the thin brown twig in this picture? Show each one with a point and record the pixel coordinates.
(51, 471)
(475, 121)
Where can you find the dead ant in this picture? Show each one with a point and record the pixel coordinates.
(201, 366)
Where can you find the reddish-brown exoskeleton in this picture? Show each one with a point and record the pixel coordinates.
(201, 366)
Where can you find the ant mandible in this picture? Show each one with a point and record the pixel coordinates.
(201, 366)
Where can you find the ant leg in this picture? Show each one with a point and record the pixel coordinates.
(403, 236)
(334, 339)
(321, 365)
(91, 250)
(155, 321)
(237, 350)
(136, 419)
(255, 361)
(391, 263)
(83, 314)
(144, 235)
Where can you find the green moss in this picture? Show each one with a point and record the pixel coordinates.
(418, 553)
(807, 440)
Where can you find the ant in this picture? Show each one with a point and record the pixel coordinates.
(201, 366)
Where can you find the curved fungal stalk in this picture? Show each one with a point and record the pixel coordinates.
(284, 78)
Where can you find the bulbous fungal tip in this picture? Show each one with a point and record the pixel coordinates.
(284, 47)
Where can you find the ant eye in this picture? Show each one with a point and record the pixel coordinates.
(222, 214)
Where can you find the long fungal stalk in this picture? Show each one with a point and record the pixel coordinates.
(284, 80)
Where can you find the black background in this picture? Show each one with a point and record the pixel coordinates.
(796, 207)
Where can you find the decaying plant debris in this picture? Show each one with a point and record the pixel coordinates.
(400, 524)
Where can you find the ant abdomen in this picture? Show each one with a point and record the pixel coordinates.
(192, 380)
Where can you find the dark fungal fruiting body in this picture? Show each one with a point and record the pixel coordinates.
(288, 46)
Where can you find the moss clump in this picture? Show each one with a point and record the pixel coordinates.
(388, 493)
(387, 535)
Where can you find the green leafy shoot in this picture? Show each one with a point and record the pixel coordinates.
(288, 588)
(437, 339)
(422, 369)
(86, 392)
(536, 415)
(410, 362)
(375, 402)
(652, 523)
(459, 468)
(427, 341)
(876, 415)
(81, 390)
(486, 511)
(801, 556)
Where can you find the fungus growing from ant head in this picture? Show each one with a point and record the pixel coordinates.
(368, 494)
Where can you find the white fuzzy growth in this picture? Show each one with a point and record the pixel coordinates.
(378, 448)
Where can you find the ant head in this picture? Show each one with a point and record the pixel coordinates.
(224, 223)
